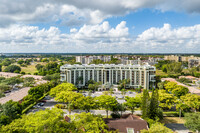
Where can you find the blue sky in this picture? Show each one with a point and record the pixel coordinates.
(132, 26)
(147, 18)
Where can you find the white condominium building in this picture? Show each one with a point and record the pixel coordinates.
(89, 59)
(109, 73)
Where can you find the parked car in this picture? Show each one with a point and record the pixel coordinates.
(7, 91)
(41, 104)
(44, 101)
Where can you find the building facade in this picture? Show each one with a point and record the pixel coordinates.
(89, 59)
(109, 73)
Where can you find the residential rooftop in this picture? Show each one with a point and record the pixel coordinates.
(106, 65)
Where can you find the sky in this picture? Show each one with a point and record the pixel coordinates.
(99, 26)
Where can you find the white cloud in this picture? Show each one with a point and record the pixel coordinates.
(79, 12)
(166, 39)
(100, 38)
(89, 38)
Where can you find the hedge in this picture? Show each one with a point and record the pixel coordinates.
(30, 106)
(171, 114)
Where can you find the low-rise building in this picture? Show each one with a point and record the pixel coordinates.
(139, 75)
(127, 124)
(89, 59)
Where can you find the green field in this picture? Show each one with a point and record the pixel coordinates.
(29, 69)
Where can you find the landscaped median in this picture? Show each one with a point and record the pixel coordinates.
(30, 106)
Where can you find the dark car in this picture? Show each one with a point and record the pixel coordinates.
(7, 91)
(44, 101)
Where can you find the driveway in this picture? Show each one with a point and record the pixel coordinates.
(179, 128)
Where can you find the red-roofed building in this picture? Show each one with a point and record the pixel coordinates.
(127, 124)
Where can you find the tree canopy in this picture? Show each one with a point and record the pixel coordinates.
(40, 122)
(62, 87)
(166, 100)
(107, 102)
(157, 128)
(12, 68)
(193, 121)
(132, 103)
(191, 100)
(87, 122)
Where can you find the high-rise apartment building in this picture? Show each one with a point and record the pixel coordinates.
(139, 75)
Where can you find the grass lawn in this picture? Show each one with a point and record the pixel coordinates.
(178, 120)
(29, 69)
(161, 73)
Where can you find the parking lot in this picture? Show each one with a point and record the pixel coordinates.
(49, 102)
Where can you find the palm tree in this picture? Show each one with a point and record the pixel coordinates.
(124, 83)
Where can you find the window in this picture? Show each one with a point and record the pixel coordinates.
(130, 130)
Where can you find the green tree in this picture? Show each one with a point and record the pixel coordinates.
(132, 103)
(89, 123)
(123, 92)
(6, 62)
(12, 81)
(122, 107)
(55, 76)
(4, 87)
(154, 106)
(111, 91)
(180, 91)
(97, 61)
(62, 87)
(20, 62)
(85, 103)
(123, 83)
(43, 121)
(28, 81)
(191, 100)
(36, 92)
(157, 128)
(68, 97)
(161, 85)
(0, 67)
(11, 109)
(166, 100)
(4, 120)
(107, 102)
(169, 86)
(174, 68)
(181, 106)
(92, 85)
(145, 104)
(12, 68)
(193, 121)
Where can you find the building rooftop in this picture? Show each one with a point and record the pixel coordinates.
(106, 65)
(126, 123)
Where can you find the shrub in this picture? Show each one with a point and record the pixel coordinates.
(171, 114)
(60, 106)
(115, 115)
(12, 68)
